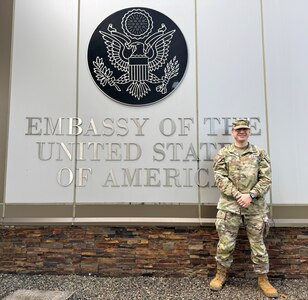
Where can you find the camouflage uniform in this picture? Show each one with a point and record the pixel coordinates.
(235, 172)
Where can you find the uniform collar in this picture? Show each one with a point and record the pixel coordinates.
(250, 148)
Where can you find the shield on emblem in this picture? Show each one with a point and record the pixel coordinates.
(138, 68)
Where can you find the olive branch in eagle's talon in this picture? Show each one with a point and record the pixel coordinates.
(171, 70)
(104, 74)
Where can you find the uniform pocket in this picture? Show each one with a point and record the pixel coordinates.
(220, 221)
(221, 215)
(255, 225)
(267, 225)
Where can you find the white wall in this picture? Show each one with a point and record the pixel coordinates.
(230, 73)
(286, 48)
(43, 84)
(94, 104)
(228, 76)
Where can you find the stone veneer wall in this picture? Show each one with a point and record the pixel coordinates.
(145, 251)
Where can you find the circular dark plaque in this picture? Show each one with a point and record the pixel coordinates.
(137, 56)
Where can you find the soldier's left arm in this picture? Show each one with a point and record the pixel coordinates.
(264, 175)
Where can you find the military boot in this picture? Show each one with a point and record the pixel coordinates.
(219, 279)
(267, 289)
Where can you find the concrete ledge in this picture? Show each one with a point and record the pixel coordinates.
(40, 295)
(137, 221)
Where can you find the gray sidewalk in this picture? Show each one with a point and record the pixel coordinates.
(129, 288)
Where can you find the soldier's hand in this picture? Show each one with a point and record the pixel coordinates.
(244, 200)
(238, 196)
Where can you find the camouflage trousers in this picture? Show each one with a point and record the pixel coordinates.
(227, 226)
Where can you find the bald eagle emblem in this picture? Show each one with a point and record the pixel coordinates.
(137, 59)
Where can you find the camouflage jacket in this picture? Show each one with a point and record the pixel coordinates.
(244, 173)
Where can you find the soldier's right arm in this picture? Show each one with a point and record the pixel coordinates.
(222, 179)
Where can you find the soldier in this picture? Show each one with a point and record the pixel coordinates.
(243, 176)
